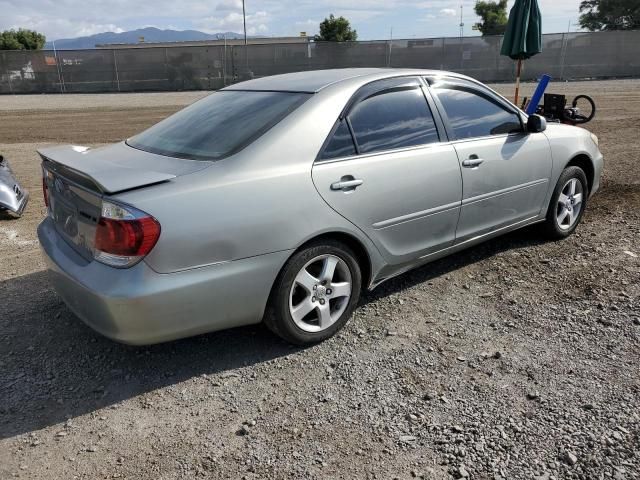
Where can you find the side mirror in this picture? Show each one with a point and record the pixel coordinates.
(536, 124)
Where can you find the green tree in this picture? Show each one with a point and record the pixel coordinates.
(334, 29)
(8, 41)
(610, 14)
(21, 40)
(493, 15)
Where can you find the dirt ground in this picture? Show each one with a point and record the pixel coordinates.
(519, 358)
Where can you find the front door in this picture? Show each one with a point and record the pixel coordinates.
(505, 170)
(385, 170)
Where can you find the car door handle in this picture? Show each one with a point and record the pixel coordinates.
(347, 184)
(472, 162)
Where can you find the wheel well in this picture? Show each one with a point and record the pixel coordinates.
(584, 162)
(354, 244)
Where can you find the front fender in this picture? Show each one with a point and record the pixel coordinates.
(567, 143)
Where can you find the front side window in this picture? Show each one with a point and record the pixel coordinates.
(393, 119)
(473, 115)
(219, 125)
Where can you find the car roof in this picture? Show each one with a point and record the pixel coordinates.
(315, 80)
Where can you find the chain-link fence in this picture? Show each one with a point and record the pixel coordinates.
(564, 56)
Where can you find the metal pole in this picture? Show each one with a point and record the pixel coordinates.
(115, 65)
(563, 55)
(234, 72)
(6, 63)
(166, 66)
(55, 55)
(518, 73)
(224, 62)
(390, 47)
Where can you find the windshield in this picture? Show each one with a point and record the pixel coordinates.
(219, 125)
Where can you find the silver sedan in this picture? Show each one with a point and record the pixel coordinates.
(280, 199)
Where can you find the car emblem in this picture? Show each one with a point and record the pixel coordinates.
(70, 226)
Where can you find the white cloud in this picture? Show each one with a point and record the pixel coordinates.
(448, 12)
(60, 27)
(92, 29)
(233, 22)
(357, 15)
(309, 26)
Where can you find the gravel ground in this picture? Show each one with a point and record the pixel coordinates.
(515, 359)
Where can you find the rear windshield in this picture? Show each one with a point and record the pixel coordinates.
(219, 125)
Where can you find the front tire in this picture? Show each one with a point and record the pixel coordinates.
(315, 293)
(568, 203)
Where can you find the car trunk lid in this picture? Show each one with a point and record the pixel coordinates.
(119, 167)
(76, 180)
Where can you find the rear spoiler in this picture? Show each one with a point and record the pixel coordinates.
(95, 171)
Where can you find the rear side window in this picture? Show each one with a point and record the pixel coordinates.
(393, 119)
(219, 125)
(341, 143)
(473, 115)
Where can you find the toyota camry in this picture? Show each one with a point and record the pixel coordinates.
(281, 199)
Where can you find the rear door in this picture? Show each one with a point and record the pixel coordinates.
(388, 168)
(505, 170)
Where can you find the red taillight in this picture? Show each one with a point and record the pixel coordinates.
(124, 235)
(131, 238)
(45, 192)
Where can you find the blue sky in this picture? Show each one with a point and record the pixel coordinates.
(373, 19)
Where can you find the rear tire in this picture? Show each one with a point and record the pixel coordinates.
(567, 205)
(315, 293)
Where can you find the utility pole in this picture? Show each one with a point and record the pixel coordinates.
(244, 22)
(461, 22)
(246, 51)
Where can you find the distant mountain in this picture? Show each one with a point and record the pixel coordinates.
(150, 34)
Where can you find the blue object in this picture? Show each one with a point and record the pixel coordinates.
(537, 96)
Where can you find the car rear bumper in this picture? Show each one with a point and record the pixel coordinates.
(140, 306)
(9, 201)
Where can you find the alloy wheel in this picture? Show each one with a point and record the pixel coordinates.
(569, 204)
(320, 293)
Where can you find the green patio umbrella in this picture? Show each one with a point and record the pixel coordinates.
(523, 37)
